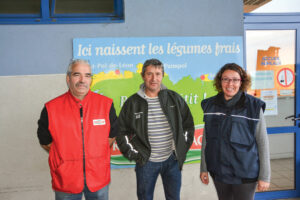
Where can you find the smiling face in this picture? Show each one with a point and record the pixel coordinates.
(79, 80)
(152, 79)
(231, 83)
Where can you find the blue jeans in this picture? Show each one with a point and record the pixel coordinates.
(147, 174)
(101, 194)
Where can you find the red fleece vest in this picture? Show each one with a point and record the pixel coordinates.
(73, 141)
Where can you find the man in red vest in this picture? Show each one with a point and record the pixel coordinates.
(77, 129)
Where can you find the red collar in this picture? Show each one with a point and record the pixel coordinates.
(78, 101)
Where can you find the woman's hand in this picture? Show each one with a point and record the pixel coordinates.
(263, 186)
(204, 177)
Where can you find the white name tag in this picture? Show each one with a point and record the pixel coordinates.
(98, 122)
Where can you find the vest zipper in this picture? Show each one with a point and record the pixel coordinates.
(81, 119)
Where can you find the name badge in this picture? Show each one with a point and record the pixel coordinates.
(98, 122)
(138, 115)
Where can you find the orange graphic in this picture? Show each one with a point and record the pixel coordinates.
(284, 75)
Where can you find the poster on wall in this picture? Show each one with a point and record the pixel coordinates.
(190, 66)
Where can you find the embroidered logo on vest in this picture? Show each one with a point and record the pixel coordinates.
(98, 122)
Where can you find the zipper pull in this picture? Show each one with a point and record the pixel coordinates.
(81, 113)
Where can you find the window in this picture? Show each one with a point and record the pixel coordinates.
(271, 6)
(60, 11)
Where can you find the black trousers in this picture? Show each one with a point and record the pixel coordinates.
(244, 191)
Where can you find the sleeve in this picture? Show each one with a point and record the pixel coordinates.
(263, 149)
(203, 167)
(187, 122)
(43, 133)
(126, 136)
(114, 127)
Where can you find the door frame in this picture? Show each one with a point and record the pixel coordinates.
(285, 21)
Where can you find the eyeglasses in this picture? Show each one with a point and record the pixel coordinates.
(228, 80)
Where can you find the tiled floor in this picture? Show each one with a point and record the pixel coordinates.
(282, 174)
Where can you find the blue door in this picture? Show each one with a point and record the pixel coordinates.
(272, 46)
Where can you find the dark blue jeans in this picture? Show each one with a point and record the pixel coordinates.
(146, 177)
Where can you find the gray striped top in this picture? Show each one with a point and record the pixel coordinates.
(159, 132)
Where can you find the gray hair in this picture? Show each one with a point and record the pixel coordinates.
(74, 63)
(154, 62)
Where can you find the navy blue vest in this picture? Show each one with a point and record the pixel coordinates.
(231, 149)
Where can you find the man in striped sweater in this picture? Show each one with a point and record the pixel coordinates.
(156, 131)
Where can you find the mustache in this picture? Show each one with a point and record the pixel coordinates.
(81, 84)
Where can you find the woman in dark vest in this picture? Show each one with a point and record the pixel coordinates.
(235, 147)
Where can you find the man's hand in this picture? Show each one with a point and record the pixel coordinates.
(204, 177)
(47, 147)
(111, 141)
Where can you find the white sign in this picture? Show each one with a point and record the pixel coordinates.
(262, 79)
(270, 98)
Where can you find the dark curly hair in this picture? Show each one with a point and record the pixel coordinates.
(245, 78)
